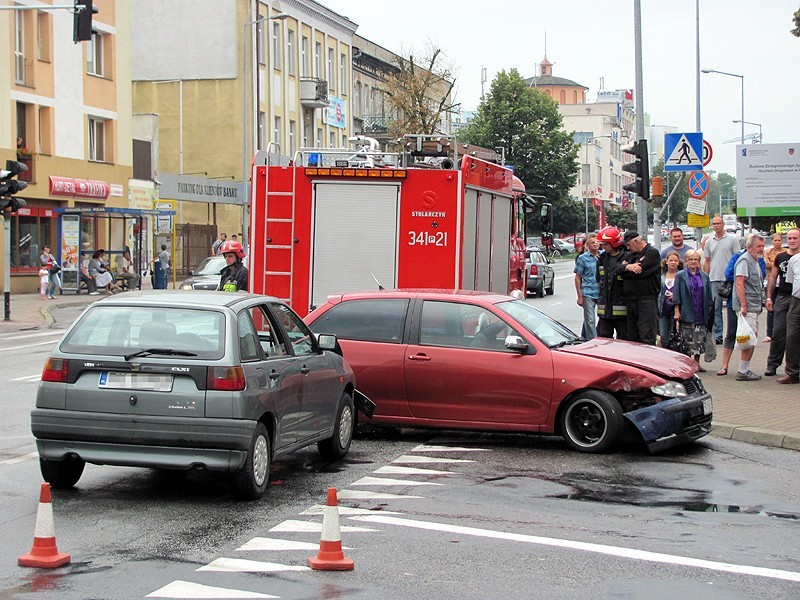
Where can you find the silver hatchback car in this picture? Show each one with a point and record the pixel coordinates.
(179, 380)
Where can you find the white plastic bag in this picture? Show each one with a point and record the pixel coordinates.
(745, 338)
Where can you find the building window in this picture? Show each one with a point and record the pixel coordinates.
(306, 134)
(43, 36)
(94, 54)
(260, 46)
(45, 130)
(262, 130)
(292, 138)
(343, 74)
(276, 133)
(304, 57)
(19, 47)
(290, 51)
(97, 139)
(276, 46)
(357, 103)
(29, 236)
(332, 139)
(318, 141)
(562, 97)
(318, 61)
(574, 96)
(331, 71)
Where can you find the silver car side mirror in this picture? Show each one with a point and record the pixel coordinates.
(326, 341)
(515, 342)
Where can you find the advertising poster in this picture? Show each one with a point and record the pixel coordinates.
(70, 250)
(337, 117)
(768, 180)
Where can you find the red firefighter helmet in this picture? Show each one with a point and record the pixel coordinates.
(610, 235)
(232, 246)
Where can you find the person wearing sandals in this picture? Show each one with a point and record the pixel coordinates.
(693, 305)
(747, 297)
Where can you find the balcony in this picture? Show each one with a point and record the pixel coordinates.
(313, 92)
(376, 124)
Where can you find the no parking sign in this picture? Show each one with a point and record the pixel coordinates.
(698, 184)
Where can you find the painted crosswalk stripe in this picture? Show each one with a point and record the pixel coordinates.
(16, 459)
(319, 509)
(187, 589)
(295, 526)
(18, 348)
(365, 495)
(263, 544)
(426, 448)
(382, 481)
(409, 459)
(390, 470)
(32, 335)
(241, 565)
(619, 551)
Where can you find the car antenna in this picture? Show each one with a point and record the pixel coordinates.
(380, 287)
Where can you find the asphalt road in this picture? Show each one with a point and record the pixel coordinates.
(443, 515)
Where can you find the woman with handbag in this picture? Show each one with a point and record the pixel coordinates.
(666, 308)
(48, 261)
(693, 301)
(99, 271)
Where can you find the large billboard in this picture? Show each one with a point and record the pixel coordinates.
(768, 180)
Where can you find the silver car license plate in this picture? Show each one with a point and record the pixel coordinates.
(135, 381)
(707, 406)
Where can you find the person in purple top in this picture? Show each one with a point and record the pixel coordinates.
(693, 305)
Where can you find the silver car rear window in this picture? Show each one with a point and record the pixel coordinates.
(120, 330)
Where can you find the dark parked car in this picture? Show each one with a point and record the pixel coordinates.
(541, 276)
(179, 380)
(488, 362)
(206, 275)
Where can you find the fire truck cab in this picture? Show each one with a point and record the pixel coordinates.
(339, 220)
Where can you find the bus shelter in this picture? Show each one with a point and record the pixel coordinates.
(83, 230)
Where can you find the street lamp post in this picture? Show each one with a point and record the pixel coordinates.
(741, 77)
(760, 137)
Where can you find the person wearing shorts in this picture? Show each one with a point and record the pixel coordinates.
(747, 297)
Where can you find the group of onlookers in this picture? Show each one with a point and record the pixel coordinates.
(676, 298)
(94, 271)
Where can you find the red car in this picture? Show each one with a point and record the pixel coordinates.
(489, 362)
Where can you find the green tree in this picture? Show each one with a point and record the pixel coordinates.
(526, 124)
(676, 212)
(796, 19)
(621, 218)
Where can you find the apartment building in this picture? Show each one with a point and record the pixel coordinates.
(67, 116)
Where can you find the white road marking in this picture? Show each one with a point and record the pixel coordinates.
(390, 470)
(36, 377)
(426, 448)
(294, 526)
(187, 589)
(382, 481)
(267, 544)
(588, 547)
(319, 509)
(364, 495)
(409, 459)
(32, 335)
(571, 276)
(555, 303)
(18, 348)
(17, 459)
(241, 565)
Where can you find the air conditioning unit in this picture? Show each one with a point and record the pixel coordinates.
(313, 93)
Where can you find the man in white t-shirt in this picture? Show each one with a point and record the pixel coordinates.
(718, 250)
(792, 364)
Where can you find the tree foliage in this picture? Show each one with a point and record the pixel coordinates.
(419, 94)
(526, 124)
(796, 19)
(621, 218)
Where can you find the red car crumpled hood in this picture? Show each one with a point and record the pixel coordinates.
(665, 363)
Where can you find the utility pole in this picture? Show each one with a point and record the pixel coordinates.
(641, 205)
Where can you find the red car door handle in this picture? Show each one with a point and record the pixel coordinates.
(420, 357)
(274, 374)
(305, 370)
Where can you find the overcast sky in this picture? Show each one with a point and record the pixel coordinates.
(590, 40)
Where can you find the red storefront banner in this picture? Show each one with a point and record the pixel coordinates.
(33, 211)
(78, 188)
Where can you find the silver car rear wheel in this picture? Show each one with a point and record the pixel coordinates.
(250, 482)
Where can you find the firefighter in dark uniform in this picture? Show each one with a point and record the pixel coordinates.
(612, 312)
(233, 278)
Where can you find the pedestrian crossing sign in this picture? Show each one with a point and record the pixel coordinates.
(683, 152)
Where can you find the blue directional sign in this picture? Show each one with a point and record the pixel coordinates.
(683, 152)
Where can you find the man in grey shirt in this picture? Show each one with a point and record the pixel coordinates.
(718, 250)
(793, 324)
(747, 298)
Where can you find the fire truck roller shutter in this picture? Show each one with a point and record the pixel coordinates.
(487, 250)
(355, 230)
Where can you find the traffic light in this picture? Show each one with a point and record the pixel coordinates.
(640, 169)
(82, 20)
(10, 186)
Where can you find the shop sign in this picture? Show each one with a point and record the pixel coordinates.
(78, 188)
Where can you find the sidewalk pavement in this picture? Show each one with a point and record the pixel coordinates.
(758, 412)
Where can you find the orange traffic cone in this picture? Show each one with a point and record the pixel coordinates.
(44, 552)
(330, 556)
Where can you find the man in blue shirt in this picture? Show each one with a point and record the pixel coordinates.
(587, 287)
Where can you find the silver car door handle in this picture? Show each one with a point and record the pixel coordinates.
(305, 370)
(274, 374)
(419, 357)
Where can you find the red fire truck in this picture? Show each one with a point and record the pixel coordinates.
(345, 220)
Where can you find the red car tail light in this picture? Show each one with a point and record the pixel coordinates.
(56, 369)
(226, 379)
(534, 270)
